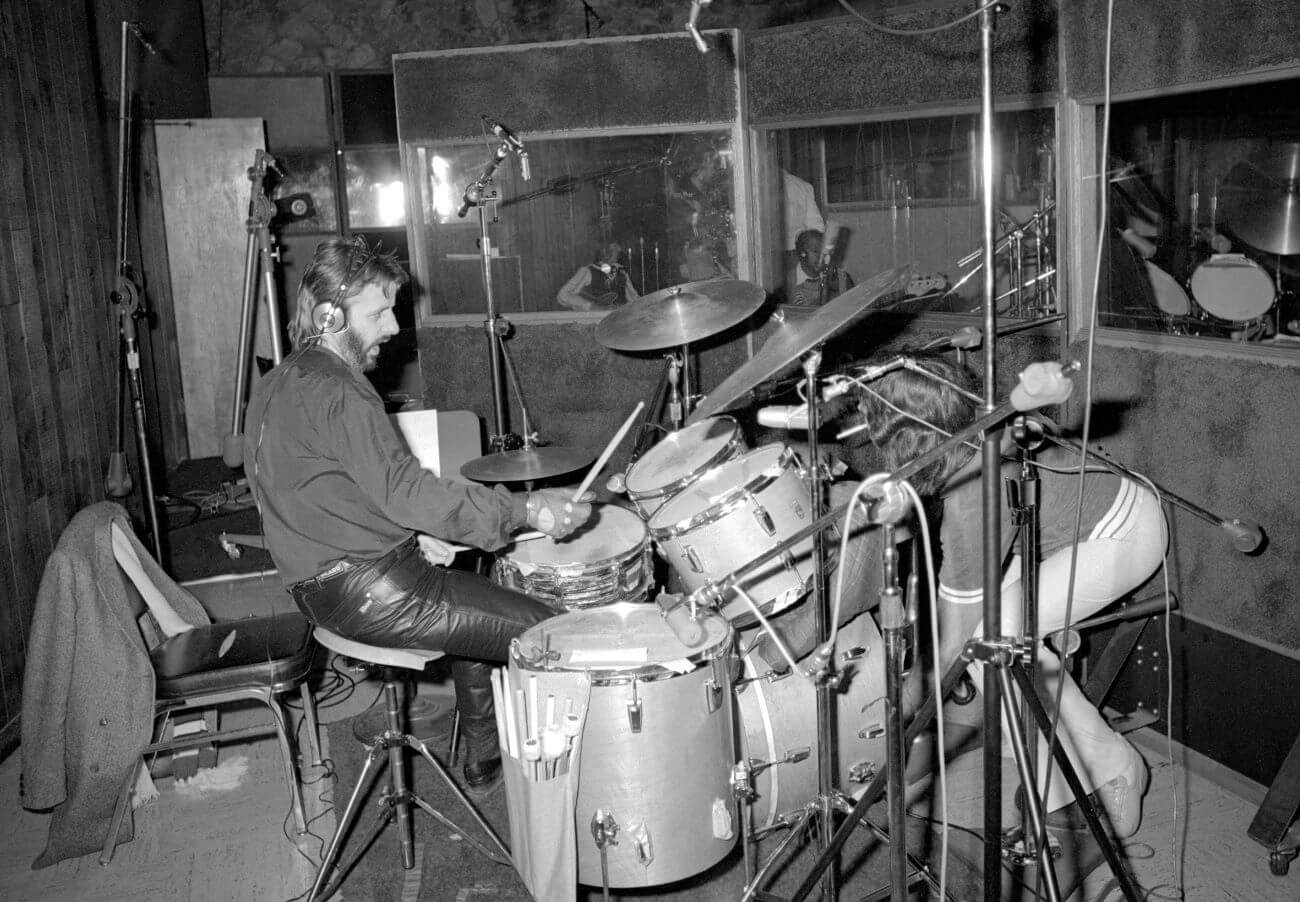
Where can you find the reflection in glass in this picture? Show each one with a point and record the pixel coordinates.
(1204, 215)
(375, 194)
(307, 188)
(602, 220)
(907, 191)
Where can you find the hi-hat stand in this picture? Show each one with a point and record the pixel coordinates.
(482, 195)
(260, 254)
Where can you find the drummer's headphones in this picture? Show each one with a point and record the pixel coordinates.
(331, 316)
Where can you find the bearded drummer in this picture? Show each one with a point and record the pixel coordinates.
(357, 528)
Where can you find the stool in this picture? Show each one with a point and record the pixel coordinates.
(398, 797)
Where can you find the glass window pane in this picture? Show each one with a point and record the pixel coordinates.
(375, 195)
(602, 220)
(1204, 215)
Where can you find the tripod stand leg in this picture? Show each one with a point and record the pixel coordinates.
(871, 794)
(1108, 849)
(1033, 805)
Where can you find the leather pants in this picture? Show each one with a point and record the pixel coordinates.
(400, 600)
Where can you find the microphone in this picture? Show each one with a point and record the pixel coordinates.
(829, 240)
(1246, 536)
(693, 29)
(784, 416)
(512, 141)
(692, 633)
(1041, 385)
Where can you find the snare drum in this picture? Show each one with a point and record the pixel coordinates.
(608, 561)
(680, 459)
(1233, 287)
(729, 516)
(657, 746)
(778, 718)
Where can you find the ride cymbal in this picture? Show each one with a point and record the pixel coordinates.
(1260, 200)
(793, 340)
(679, 315)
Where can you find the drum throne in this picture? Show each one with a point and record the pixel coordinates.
(389, 748)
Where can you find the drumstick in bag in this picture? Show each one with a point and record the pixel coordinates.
(605, 455)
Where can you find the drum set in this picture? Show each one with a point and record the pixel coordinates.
(695, 734)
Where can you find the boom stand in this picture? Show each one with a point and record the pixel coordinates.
(480, 194)
(262, 254)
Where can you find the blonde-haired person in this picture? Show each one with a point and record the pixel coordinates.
(1122, 543)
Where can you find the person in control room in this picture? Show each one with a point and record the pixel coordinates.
(358, 530)
(599, 285)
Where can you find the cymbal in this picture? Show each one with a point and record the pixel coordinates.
(679, 315)
(794, 339)
(1260, 199)
(526, 464)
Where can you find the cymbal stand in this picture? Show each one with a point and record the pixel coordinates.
(480, 194)
(826, 678)
(261, 253)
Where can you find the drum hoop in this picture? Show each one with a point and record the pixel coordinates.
(642, 673)
(722, 455)
(735, 440)
(613, 561)
(725, 504)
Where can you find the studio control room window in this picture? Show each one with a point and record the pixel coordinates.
(1203, 217)
(907, 191)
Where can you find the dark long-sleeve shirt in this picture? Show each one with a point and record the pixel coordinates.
(335, 482)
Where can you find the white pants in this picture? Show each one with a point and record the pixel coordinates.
(1126, 548)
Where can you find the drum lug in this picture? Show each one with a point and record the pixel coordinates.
(762, 516)
(634, 711)
(712, 695)
(692, 558)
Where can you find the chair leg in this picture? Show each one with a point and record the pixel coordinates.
(290, 764)
(119, 813)
(313, 726)
(459, 793)
(369, 770)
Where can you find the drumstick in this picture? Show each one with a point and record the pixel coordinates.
(604, 455)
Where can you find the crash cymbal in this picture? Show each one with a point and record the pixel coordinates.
(1260, 200)
(526, 464)
(679, 315)
(794, 339)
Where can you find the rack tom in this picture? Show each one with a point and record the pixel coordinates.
(681, 458)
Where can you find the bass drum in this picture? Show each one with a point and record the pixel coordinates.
(778, 718)
(1233, 288)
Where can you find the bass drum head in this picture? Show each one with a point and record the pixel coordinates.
(1233, 288)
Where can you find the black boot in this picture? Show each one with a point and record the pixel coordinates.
(478, 728)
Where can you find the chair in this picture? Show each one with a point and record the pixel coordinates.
(397, 797)
(258, 658)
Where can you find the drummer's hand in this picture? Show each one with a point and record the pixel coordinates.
(555, 513)
(435, 551)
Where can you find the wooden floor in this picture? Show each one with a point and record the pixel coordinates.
(230, 846)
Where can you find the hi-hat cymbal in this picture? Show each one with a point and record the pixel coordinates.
(526, 464)
(793, 340)
(679, 315)
(1260, 200)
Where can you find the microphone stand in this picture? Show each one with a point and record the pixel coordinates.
(479, 194)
